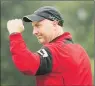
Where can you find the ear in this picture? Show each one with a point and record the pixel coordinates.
(55, 23)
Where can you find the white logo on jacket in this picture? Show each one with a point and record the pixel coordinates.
(43, 52)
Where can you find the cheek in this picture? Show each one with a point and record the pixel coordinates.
(47, 31)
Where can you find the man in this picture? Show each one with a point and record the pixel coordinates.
(60, 62)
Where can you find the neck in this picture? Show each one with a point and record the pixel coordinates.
(59, 31)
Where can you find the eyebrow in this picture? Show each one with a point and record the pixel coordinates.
(36, 23)
(33, 24)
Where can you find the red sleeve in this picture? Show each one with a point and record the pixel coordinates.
(25, 60)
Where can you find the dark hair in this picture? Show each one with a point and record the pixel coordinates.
(60, 23)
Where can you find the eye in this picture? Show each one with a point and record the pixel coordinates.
(38, 25)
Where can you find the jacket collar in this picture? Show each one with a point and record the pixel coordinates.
(65, 35)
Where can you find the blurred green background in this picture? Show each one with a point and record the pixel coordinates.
(79, 20)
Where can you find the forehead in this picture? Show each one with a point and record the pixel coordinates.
(41, 22)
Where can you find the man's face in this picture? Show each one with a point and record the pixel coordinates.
(43, 30)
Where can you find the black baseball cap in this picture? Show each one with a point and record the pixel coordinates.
(46, 12)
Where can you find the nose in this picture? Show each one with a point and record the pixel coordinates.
(35, 31)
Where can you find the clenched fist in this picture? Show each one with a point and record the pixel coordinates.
(15, 25)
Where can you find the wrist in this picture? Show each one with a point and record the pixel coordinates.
(14, 33)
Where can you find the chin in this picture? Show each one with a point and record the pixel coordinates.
(42, 41)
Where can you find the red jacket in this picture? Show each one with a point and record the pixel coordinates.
(58, 63)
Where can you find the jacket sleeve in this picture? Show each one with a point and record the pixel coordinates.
(25, 60)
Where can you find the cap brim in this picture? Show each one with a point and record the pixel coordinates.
(31, 18)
